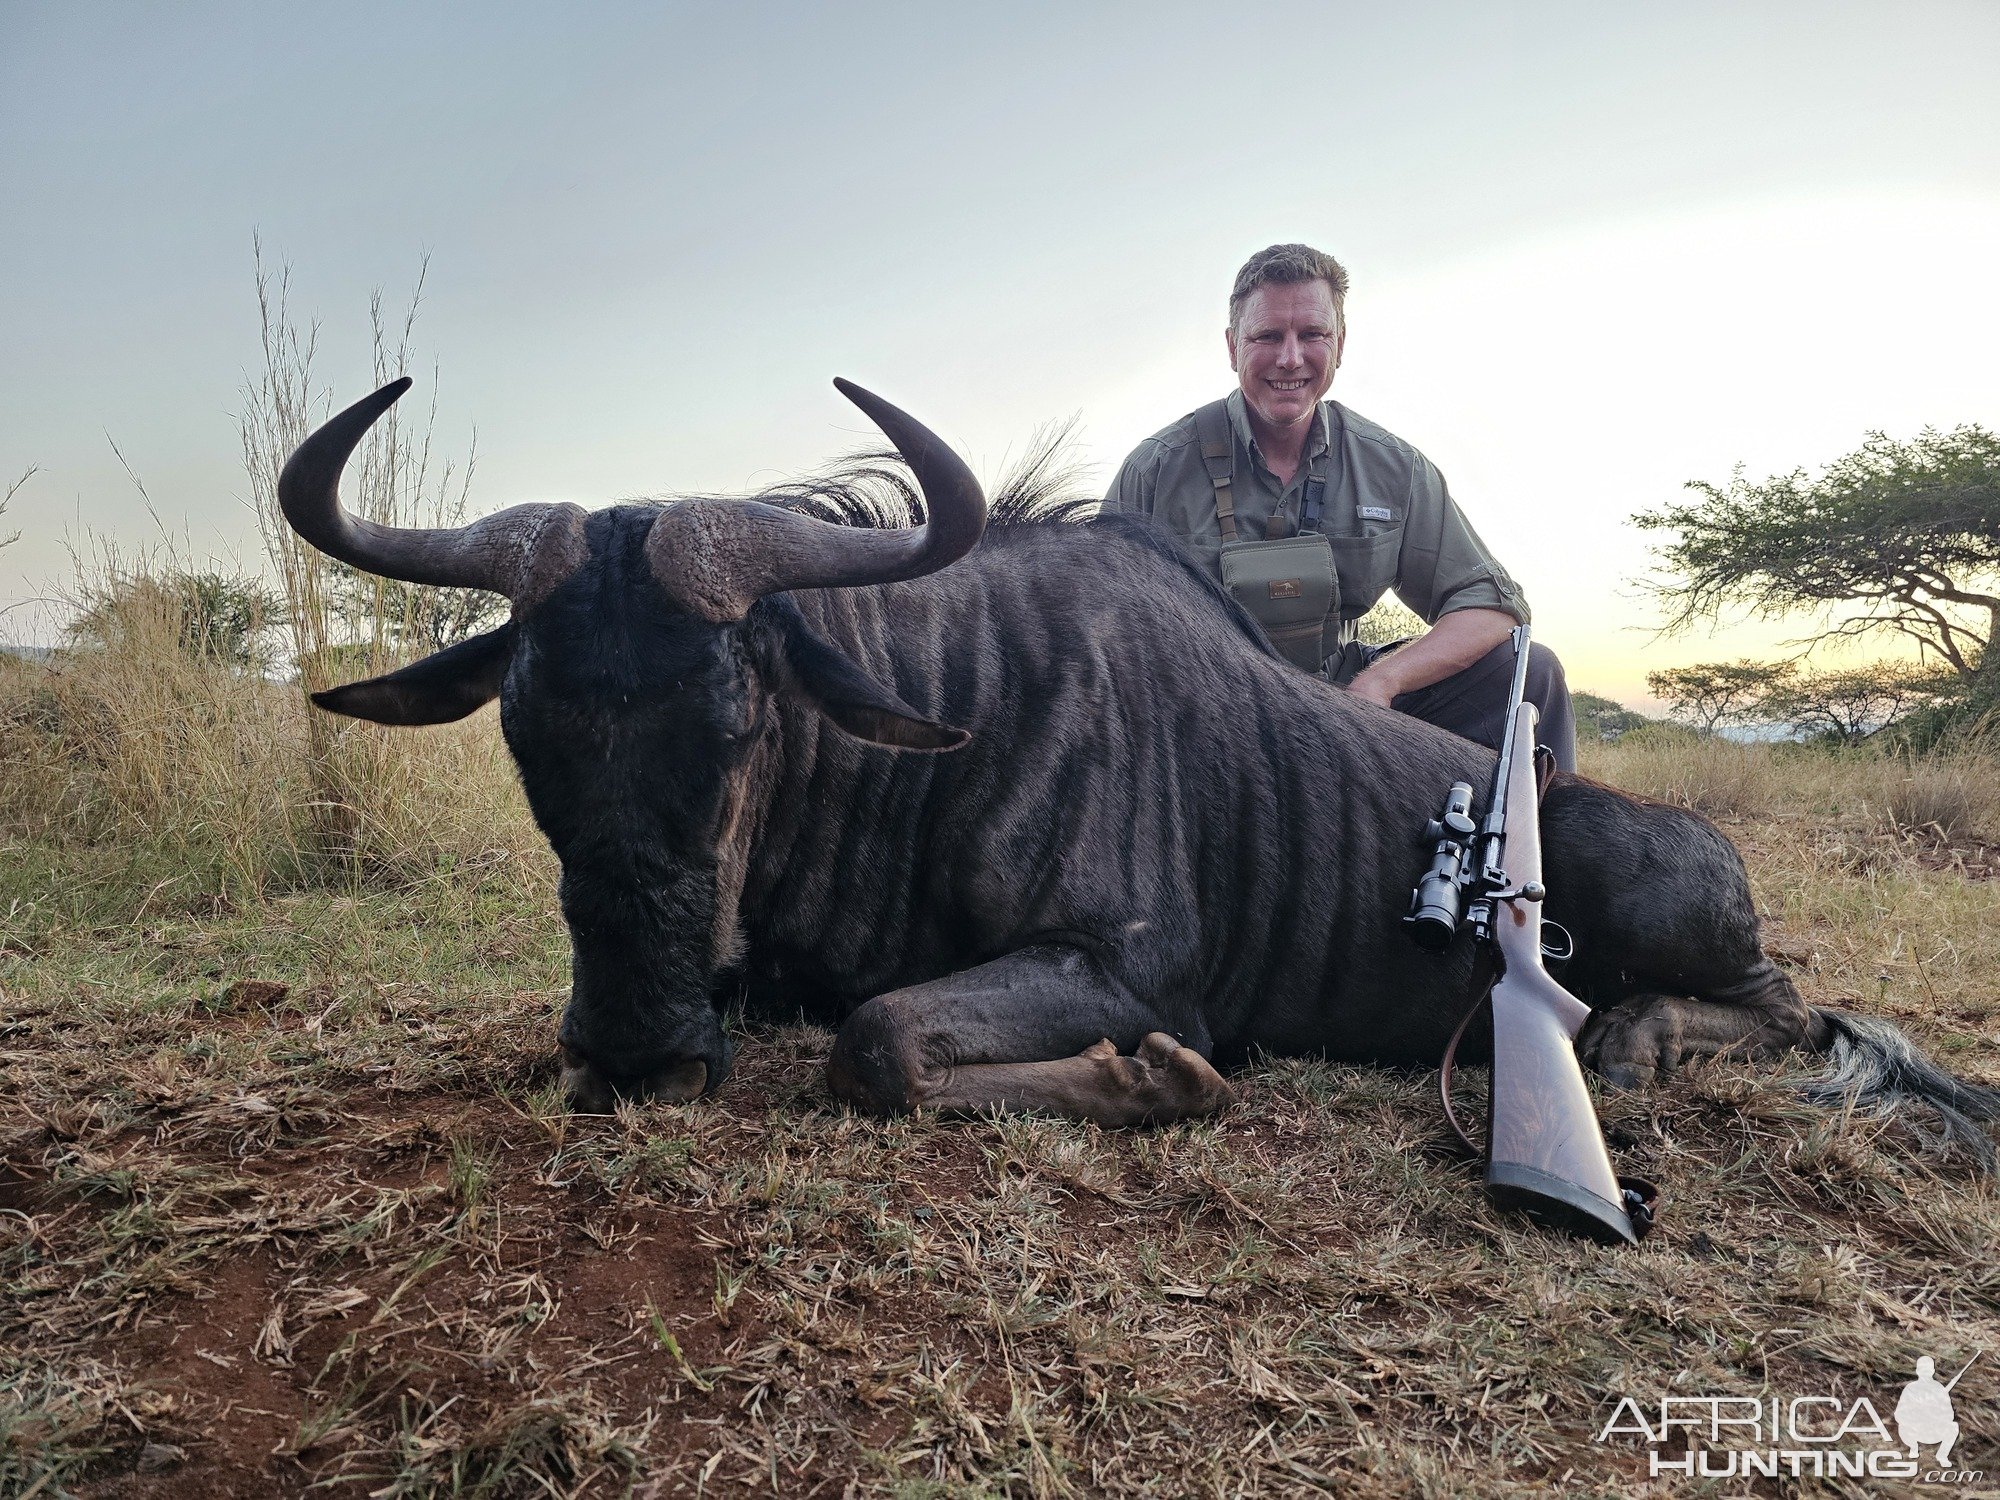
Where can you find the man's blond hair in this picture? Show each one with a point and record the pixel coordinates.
(1285, 265)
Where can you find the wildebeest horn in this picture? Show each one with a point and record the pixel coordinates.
(505, 552)
(718, 557)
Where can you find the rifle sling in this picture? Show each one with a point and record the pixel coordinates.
(1482, 991)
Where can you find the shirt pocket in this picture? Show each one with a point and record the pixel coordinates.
(1367, 566)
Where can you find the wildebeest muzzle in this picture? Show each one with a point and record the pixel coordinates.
(596, 1076)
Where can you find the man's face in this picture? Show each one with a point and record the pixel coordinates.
(1283, 349)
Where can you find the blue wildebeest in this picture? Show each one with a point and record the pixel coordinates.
(1052, 828)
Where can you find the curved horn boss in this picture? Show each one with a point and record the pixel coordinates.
(522, 552)
(718, 557)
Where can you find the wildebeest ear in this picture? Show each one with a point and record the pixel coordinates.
(857, 702)
(446, 685)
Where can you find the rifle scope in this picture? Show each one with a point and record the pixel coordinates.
(1436, 902)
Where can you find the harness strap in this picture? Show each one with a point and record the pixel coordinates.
(1218, 456)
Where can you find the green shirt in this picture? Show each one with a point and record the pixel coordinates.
(1390, 520)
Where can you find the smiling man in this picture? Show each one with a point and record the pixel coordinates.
(1308, 513)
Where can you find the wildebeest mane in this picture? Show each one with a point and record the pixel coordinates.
(1044, 488)
(874, 488)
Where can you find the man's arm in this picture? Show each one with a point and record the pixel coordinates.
(1447, 576)
(1451, 645)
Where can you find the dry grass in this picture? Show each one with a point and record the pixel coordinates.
(201, 785)
(343, 1236)
(1951, 797)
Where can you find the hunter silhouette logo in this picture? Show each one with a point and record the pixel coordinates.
(1924, 1414)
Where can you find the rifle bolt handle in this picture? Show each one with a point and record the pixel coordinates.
(1534, 890)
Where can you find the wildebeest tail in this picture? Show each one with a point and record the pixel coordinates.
(1873, 1066)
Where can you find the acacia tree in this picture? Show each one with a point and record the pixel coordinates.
(1851, 703)
(1602, 718)
(1713, 693)
(1899, 538)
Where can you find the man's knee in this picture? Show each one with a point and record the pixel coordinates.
(1548, 690)
(1545, 673)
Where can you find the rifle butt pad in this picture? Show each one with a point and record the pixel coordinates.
(1547, 1152)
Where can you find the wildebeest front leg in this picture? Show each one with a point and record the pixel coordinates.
(1042, 1029)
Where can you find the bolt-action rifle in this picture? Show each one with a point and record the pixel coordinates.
(1545, 1152)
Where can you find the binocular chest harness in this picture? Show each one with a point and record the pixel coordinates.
(1287, 583)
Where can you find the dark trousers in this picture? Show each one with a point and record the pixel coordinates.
(1473, 702)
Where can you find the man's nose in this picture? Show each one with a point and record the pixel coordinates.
(1291, 353)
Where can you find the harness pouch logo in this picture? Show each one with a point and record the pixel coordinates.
(1285, 588)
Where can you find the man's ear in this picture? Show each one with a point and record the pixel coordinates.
(854, 700)
(1229, 338)
(447, 685)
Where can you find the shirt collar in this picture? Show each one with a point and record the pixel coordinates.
(1239, 423)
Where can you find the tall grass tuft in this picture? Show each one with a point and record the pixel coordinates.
(1950, 796)
(174, 735)
(1713, 776)
(200, 776)
(346, 624)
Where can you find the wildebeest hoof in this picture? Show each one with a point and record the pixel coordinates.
(1626, 1076)
(1630, 1046)
(1167, 1081)
(1649, 1036)
(591, 1093)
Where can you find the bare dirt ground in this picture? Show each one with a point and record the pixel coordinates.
(341, 1238)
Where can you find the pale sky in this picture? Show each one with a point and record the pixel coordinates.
(1596, 250)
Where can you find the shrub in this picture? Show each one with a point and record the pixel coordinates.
(208, 616)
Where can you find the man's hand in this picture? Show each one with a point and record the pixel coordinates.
(1451, 645)
(1374, 685)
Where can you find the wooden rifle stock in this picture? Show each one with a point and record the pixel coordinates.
(1545, 1153)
